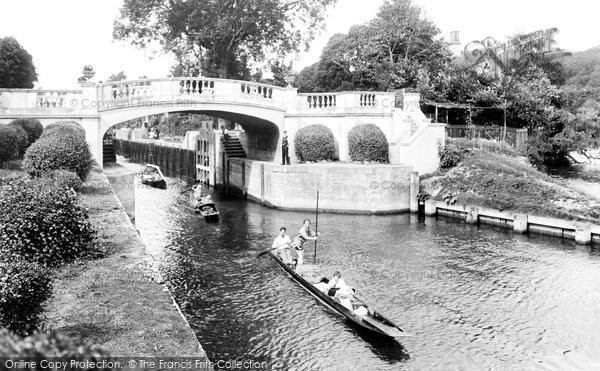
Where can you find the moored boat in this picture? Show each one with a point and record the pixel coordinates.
(361, 315)
(207, 208)
(152, 176)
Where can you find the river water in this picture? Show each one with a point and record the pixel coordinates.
(474, 297)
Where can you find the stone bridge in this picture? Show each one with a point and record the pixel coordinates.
(264, 111)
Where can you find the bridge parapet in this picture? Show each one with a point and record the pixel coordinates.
(185, 89)
(38, 99)
(345, 102)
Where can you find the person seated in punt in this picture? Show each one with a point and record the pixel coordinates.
(337, 288)
(282, 244)
(197, 191)
(208, 208)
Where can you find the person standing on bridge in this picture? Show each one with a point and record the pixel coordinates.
(285, 156)
(225, 134)
(304, 234)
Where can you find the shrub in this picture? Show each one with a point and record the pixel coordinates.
(24, 287)
(314, 143)
(32, 127)
(43, 223)
(449, 157)
(64, 128)
(368, 143)
(64, 179)
(67, 151)
(9, 143)
(22, 139)
(51, 345)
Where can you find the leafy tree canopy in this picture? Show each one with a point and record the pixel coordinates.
(221, 37)
(17, 70)
(395, 49)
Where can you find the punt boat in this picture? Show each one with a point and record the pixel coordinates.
(365, 319)
(152, 176)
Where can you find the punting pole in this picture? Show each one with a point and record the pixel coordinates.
(316, 225)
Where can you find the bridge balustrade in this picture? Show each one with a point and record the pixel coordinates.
(346, 100)
(51, 99)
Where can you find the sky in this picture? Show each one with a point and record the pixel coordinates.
(64, 35)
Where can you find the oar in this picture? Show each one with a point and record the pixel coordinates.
(268, 250)
(264, 252)
(316, 226)
(185, 190)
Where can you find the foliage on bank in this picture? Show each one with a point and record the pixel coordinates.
(24, 287)
(64, 179)
(314, 143)
(63, 128)
(51, 344)
(368, 143)
(42, 222)
(61, 147)
(9, 143)
(32, 127)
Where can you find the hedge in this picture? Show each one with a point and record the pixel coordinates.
(9, 143)
(314, 143)
(53, 344)
(368, 143)
(22, 139)
(32, 127)
(43, 223)
(63, 128)
(24, 287)
(64, 179)
(65, 151)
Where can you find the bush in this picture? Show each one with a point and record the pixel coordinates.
(32, 127)
(51, 345)
(449, 157)
(64, 179)
(43, 223)
(368, 143)
(24, 287)
(22, 139)
(314, 143)
(64, 128)
(67, 151)
(9, 143)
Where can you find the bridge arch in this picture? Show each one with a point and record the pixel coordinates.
(262, 126)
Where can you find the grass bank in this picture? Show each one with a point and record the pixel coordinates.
(509, 183)
(117, 301)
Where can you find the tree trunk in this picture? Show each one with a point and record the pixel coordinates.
(223, 67)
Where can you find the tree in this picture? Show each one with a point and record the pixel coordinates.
(222, 36)
(395, 49)
(16, 65)
(120, 76)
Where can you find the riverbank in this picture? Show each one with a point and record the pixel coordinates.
(508, 183)
(117, 301)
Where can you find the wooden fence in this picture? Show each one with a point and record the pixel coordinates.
(173, 162)
(516, 138)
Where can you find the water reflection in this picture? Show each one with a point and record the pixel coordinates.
(475, 298)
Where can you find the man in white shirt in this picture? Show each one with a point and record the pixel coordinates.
(282, 243)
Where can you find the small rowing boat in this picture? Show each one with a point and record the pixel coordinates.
(152, 176)
(207, 208)
(361, 314)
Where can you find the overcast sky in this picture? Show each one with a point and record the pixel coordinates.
(64, 35)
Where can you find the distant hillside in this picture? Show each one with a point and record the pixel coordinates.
(581, 61)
